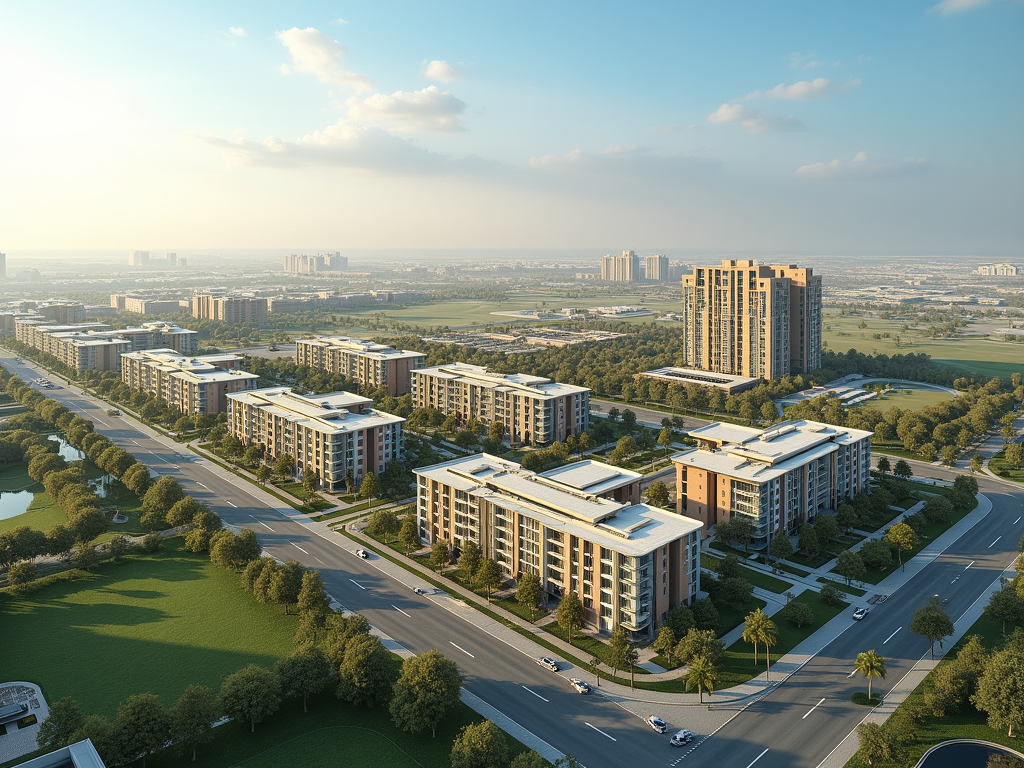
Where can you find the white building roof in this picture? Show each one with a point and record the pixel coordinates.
(696, 376)
(592, 476)
(479, 375)
(362, 347)
(327, 413)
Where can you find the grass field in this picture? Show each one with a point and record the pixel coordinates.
(756, 578)
(999, 465)
(154, 624)
(323, 747)
(906, 400)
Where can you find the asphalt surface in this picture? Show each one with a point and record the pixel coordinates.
(645, 416)
(797, 724)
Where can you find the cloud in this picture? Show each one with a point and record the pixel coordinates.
(441, 71)
(798, 60)
(349, 146)
(804, 90)
(862, 166)
(238, 31)
(752, 120)
(430, 110)
(317, 54)
(948, 7)
(625, 161)
(339, 20)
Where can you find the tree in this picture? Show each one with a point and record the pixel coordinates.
(870, 665)
(827, 530)
(808, 541)
(877, 744)
(251, 694)
(531, 759)
(303, 673)
(192, 718)
(702, 675)
(681, 620)
(937, 508)
(184, 511)
(850, 566)
(383, 523)
(480, 745)
(1001, 688)
(831, 594)
(88, 524)
(283, 465)
(408, 534)
(528, 591)
(876, 554)
(161, 496)
(622, 653)
(1006, 606)
(847, 517)
(21, 573)
(629, 419)
(312, 597)
(65, 718)
(798, 613)
(657, 494)
(367, 673)
(901, 537)
(263, 474)
(665, 438)
(286, 584)
(977, 462)
(440, 555)
(884, 467)
(234, 551)
(1014, 455)
(705, 614)
(758, 629)
(931, 622)
(496, 430)
(699, 642)
(368, 487)
(781, 547)
(903, 470)
(488, 576)
(570, 614)
(425, 692)
(144, 725)
(469, 559)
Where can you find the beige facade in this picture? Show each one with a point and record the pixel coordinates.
(193, 385)
(372, 365)
(629, 563)
(804, 317)
(656, 268)
(82, 346)
(336, 434)
(535, 410)
(237, 310)
(145, 306)
(621, 269)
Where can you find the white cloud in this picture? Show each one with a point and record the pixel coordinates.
(752, 120)
(862, 166)
(339, 20)
(441, 71)
(238, 31)
(316, 53)
(947, 7)
(430, 110)
(625, 161)
(804, 90)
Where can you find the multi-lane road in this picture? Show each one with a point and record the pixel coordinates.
(797, 724)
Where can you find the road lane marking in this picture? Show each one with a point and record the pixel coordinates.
(890, 637)
(400, 610)
(1016, 521)
(970, 564)
(993, 543)
(812, 709)
(319, 560)
(232, 503)
(262, 523)
(298, 548)
(758, 758)
(852, 674)
(534, 693)
(203, 484)
(357, 583)
(600, 731)
(463, 650)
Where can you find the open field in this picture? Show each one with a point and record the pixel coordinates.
(158, 623)
(989, 357)
(906, 400)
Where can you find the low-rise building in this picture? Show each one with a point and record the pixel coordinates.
(578, 528)
(777, 478)
(193, 385)
(535, 410)
(338, 434)
(372, 365)
(95, 346)
(726, 382)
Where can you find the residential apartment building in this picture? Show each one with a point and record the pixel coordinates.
(95, 346)
(302, 264)
(138, 258)
(372, 365)
(751, 320)
(61, 312)
(990, 270)
(336, 434)
(621, 269)
(656, 268)
(777, 478)
(630, 563)
(146, 306)
(193, 385)
(238, 310)
(535, 410)
(3, 265)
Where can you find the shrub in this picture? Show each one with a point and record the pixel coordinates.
(800, 614)
(151, 543)
(21, 573)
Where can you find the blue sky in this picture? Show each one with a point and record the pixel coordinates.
(810, 127)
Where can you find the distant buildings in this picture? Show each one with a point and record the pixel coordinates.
(990, 270)
(143, 259)
(534, 409)
(238, 310)
(142, 305)
(336, 435)
(748, 320)
(301, 264)
(62, 312)
(656, 268)
(138, 258)
(192, 385)
(372, 365)
(3, 265)
(621, 269)
(777, 478)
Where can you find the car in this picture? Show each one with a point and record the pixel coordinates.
(363, 554)
(581, 686)
(657, 724)
(681, 738)
(419, 590)
(859, 614)
(547, 661)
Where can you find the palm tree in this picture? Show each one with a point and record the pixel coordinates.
(759, 629)
(702, 675)
(870, 665)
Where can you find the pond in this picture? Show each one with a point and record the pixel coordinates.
(970, 754)
(14, 503)
(67, 451)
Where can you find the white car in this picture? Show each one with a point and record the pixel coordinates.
(859, 614)
(681, 738)
(581, 686)
(657, 724)
(547, 661)
(363, 554)
(419, 590)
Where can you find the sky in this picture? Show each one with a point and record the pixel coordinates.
(816, 127)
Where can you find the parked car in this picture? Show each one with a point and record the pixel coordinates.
(547, 661)
(580, 685)
(363, 554)
(657, 724)
(681, 738)
(859, 614)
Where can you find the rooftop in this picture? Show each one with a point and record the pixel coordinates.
(694, 376)
(331, 413)
(501, 381)
(592, 476)
(361, 346)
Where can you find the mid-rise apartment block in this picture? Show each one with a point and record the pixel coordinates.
(303, 264)
(656, 268)
(238, 310)
(535, 410)
(372, 365)
(777, 478)
(338, 434)
(142, 305)
(193, 385)
(752, 320)
(61, 312)
(621, 269)
(95, 346)
(989, 270)
(630, 563)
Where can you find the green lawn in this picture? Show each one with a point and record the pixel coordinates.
(158, 623)
(757, 578)
(589, 645)
(905, 400)
(843, 586)
(998, 465)
(782, 565)
(323, 747)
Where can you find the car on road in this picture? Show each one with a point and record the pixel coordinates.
(859, 614)
(363, 554)
(419, 590)
(681, 738)
(547, 661)
(657, 724)
(581, 686)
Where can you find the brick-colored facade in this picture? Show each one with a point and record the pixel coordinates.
(372, 365)
(193, 385)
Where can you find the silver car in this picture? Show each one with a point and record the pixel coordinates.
(657, 724)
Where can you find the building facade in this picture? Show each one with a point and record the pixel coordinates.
(989, 270)
(192, 385)
(656, 268)
(95, 346)
(630, 563)
(372, 365)
(535, 410)
(301, 264)
(777, 478)
(621, 269)
(336, 434)
(238, 310)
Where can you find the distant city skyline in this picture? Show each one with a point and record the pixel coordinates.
(875, 128)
